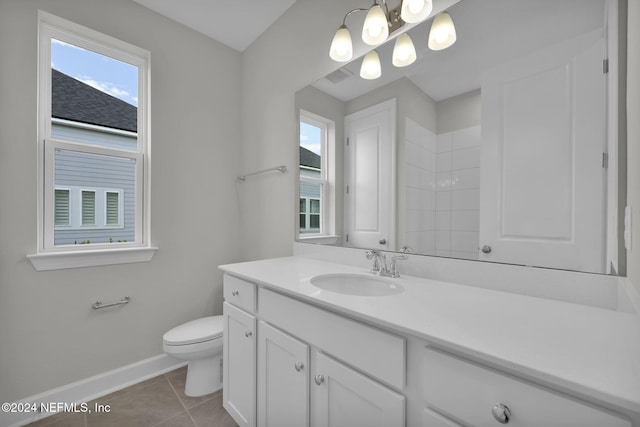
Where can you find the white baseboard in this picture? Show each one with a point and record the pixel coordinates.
(93, 387)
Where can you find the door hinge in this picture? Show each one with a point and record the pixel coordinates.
(347, 189)
(605, 160)
(605, 66)
(347, 238)
(347, 142)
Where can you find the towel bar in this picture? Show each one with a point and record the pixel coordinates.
(99, 304)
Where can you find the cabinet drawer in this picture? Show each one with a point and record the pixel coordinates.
(468, 392)
(240, 293)
(378, 353)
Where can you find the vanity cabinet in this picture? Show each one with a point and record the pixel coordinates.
(479, 396)
(239, 351)
(288, 363)
(283, 379)
(344, 397)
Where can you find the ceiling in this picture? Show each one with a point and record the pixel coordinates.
(236, 23)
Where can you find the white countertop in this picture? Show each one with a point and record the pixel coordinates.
(591, 351)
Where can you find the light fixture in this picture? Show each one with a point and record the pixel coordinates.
(341, 46)
(376, 26)
(404, 52)
(443, 32)
(415, 10)
(380, 22)
(371, 68)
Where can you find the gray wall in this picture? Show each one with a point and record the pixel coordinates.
(50, 336)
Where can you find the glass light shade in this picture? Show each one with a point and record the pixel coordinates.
(415, 10)
(404, 52)
(443, 32)
(341, 46)
(376, 27)
(370, 68)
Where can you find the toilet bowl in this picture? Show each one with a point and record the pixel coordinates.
(200, 343)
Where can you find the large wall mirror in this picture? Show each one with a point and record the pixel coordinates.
(505, 147)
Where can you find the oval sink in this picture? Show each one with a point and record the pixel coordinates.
(356, 284)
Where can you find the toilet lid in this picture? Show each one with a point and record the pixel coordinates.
(199, 330)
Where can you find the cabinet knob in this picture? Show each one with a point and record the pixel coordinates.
(501, 413)
(248, 334)
(383, 241)
(319, 379)
(235, 293)
(299, 366)
(486, 249)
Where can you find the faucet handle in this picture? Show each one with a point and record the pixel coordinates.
(393, 268)
(372, 253)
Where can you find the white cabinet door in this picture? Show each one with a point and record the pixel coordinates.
(542, 181)
(239, 361)
(342, 397)
(283, 379)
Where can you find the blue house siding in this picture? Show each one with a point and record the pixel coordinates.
(90, 171)
(104, 138)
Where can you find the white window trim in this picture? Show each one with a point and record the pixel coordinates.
(47, 256)
(327, 181)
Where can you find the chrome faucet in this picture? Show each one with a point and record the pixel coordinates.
(379, 266)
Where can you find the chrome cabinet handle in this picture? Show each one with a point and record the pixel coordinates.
(319, 379)
(486, 249)
(299, 366)
(235, 293)
(501, 413)
(248, 334)
(383, 241)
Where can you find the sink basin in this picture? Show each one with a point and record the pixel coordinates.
(356, 284)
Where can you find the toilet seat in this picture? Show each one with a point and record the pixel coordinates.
(196, 331)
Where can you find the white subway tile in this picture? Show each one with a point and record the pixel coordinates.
(465, 220)
(443, 200)
(443, 162)
(464, 138)
(466, 158)
(465, 179)
(465, 241)
(465, 199)
(444, 142)
(443, 220)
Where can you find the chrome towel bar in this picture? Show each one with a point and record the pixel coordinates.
(99, 304)
(282, 169)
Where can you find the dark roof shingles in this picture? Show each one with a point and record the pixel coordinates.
(309, 158)
(74, 100)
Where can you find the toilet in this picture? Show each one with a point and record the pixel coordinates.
(200, 343)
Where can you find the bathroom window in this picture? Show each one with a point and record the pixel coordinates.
(314, 183)
(93, 137)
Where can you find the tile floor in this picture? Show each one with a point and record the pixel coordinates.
(159, 401)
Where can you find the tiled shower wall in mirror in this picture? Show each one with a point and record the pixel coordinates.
(442, 188)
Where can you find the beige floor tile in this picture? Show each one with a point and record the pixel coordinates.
(178, 379)
(212, 414)
(146, 406)
(180, 420)
(61, 420)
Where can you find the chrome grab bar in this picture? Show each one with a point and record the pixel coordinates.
(281, 169)
(99, 304)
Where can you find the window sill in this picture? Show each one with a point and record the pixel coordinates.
(90, 258)
(323, 240)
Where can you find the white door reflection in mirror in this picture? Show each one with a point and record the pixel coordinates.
(370, 176)
(542, 182)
